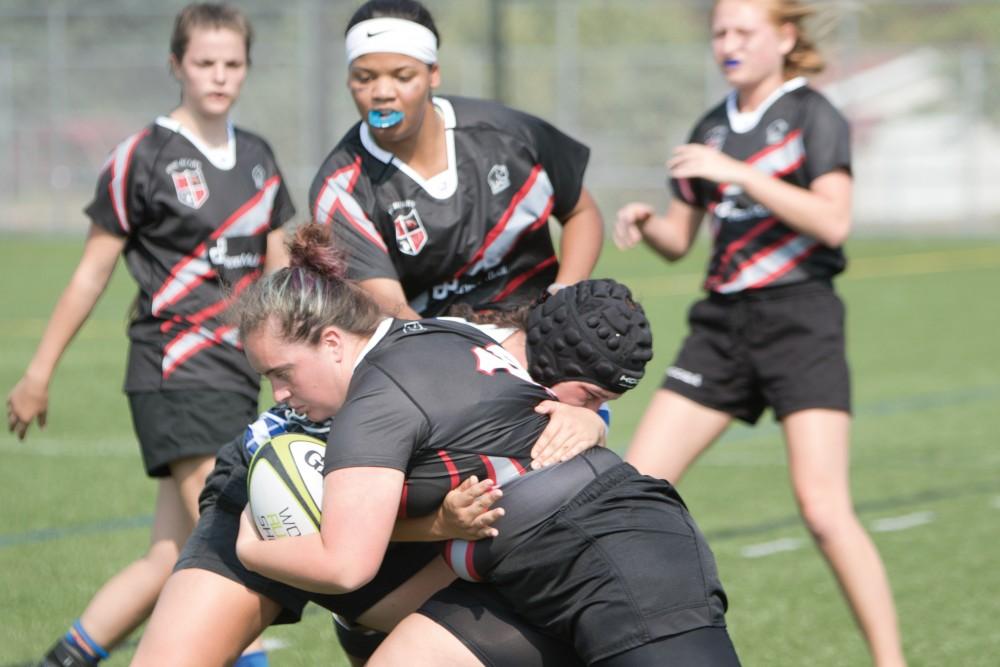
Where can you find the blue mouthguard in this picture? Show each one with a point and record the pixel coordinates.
(384, 119)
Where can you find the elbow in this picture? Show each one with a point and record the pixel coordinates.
(837, 233)
(350, 578)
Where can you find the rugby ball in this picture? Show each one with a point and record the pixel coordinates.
(285, 486)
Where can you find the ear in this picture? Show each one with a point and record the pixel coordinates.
(331, 340)
(788, 35)
(175, 67)
(435, 76)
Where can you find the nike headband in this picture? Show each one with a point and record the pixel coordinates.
(390, 35)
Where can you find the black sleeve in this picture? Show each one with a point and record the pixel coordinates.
(827, 139)
(563, 158)
(379, 425)
(119, 203)
(341, 197)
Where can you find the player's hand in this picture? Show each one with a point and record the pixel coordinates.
(700, 161)
(628, 224)
(465, 513)
(27, 401)
(248, 533)
(570, 431)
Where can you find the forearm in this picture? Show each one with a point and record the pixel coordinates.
(301, 562)
(671, 235)
(825, 218)
(581, 241)
(71, 311)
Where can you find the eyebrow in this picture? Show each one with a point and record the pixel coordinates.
(276, 369)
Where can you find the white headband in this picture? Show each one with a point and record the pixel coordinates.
(389, 35)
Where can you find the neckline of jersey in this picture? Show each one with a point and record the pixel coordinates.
(438, 186)
(223, 158)
(380, 331)
(743, 121)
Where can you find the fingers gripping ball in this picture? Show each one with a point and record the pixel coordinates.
(591, 331)
(285, 486)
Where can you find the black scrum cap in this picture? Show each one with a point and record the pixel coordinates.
(591, 331)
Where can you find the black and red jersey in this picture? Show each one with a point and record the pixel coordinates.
(797, 136)
(476, 233)
(196, 223)
(440, 401)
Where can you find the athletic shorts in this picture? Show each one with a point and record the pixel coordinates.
(174, 425)
(779, 347)
(212, 547)
(620, 565)
(482, 620)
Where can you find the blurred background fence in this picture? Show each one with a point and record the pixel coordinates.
(917, 78)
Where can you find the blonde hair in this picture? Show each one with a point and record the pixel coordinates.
(308, 296)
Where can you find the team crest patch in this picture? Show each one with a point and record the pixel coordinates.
(498, 178)
(411, 235)
(716, 136)
(776, 131)
(189, 182)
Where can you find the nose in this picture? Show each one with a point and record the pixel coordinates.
(219, 72)
(281, 393)
(383, 90)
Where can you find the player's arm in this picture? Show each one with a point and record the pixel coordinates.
(28, 400)
(388, 294)
(276, 255)
(822, 211)
(359, 510)
(464, 514)
(581, 242)
(671, 235)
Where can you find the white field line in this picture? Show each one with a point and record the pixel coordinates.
(770, 548)
(904, 522)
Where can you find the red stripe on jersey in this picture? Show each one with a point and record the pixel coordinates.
(118, 183)
(402, 501)
(786, 267)
(521, 470)
(504, 219)
(491, 472)
(764, 152)
(215, 308)
(450, 466)
(521, 279)
(199, 253)
(330, 188)
(736, 245)
(541, 221)
(687, 193)
(215, 339)
(470, 565)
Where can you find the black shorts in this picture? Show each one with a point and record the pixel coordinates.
(620, 565)
(212, 547)
(781, 347)
(482, 620)
(173, 425)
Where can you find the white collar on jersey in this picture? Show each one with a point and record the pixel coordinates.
(222, 157)
(439, 186)
(380, 331)
(744, 121)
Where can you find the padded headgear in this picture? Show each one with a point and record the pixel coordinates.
(591, 331)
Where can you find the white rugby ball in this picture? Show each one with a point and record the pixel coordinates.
(285, 485)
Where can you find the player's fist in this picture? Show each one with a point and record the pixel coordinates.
(27, 401)
(628, 223)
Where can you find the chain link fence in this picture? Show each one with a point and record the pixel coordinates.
(917, 78)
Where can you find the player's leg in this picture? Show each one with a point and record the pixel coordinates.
(818, 456)
(673, 432)
(203, 619)
(419, 641)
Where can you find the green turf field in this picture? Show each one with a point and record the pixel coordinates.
(924, 340)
